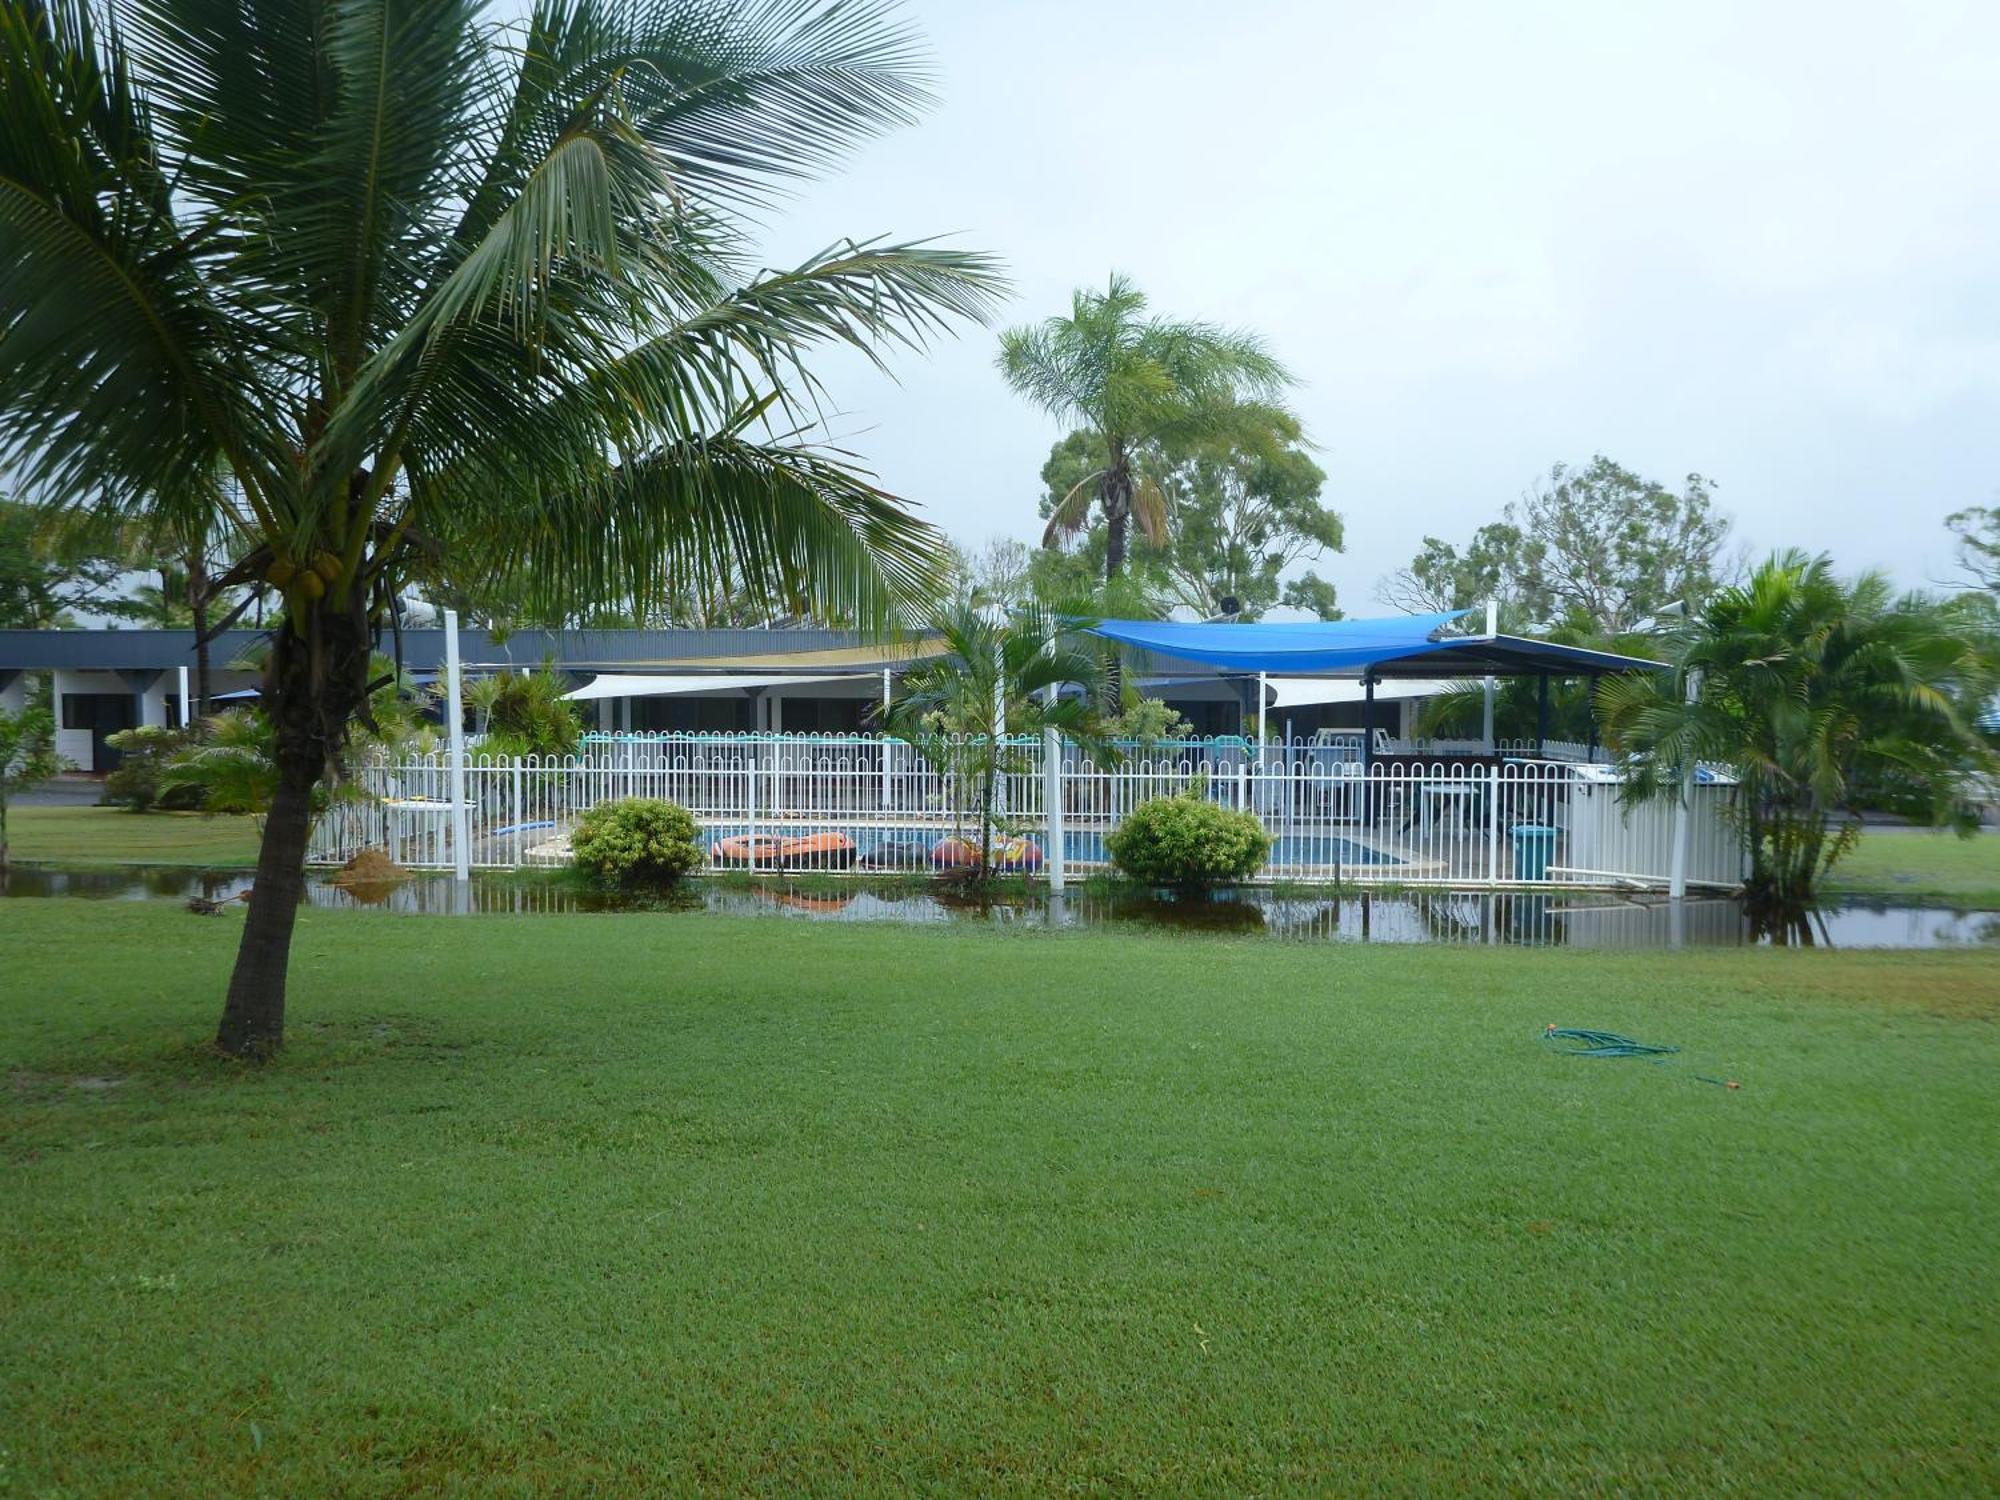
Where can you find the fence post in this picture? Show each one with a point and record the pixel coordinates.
(461, 823)
(519, 833)
(1493, 826)
(1052, 763)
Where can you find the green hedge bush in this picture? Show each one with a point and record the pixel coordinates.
(1188, 842)
(136, 785)
(637, 841)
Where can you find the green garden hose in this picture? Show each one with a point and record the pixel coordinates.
(1578, 1041)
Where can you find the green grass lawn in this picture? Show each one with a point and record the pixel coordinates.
(637, 1203)
(113, 836)
(1923, 863)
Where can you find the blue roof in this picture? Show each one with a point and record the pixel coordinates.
(1314, 646)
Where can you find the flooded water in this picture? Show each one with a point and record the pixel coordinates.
(1570, 918)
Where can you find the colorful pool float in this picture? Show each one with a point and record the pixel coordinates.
(1008, 854)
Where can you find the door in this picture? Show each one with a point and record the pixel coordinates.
(102, 714)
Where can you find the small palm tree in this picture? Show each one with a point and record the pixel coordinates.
(1810, 687)
(449, 296)
(1000, 681)
(1135, 383)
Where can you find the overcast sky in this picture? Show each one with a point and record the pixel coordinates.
(1750, 238)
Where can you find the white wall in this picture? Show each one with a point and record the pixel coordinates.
(153, 702)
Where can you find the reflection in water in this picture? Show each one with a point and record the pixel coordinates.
(1512, 918)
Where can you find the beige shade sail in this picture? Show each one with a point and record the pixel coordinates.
(669, 684)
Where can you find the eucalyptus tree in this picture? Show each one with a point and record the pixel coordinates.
(1598, 547)
(1136, 384)
(1812, 687)
(449, 296)
(1976, 539)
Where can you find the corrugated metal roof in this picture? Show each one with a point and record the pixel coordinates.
(577, 650)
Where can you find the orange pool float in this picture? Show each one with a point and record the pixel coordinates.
(747, 849)
(824, 850)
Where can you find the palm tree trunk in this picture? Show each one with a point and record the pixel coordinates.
(253, 1016)
(312, 688)
(1114, 498)
(986, 810)
(198, 607)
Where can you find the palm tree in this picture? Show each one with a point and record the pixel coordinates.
(1000, 680)
(1811, 687)
(1135, 383)
(449, 297)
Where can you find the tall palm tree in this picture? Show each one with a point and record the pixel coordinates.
(1137, 383)
(449, 296)
(999, 683)
(1811, 686)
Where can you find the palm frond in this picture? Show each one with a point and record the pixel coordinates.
(1072, 512)
(796, 529)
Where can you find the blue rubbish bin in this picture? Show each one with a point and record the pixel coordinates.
(1534, 846)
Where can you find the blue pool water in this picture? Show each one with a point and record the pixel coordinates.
(905, 848)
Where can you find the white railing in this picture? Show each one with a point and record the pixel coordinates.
(857, 802)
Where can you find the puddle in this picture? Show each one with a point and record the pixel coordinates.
(1534, 919)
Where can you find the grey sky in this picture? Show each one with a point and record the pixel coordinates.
(1753, 239)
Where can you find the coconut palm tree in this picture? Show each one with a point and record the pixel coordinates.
(1137, 384)
(448, 296)
(1811, 687)
(998, 684)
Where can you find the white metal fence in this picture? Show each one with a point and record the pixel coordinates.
(853, 802)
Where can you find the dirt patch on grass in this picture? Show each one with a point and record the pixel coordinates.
(371, 876)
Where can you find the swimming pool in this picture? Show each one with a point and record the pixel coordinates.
(898, 847)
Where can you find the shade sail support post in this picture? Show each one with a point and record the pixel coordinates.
(1368, 750)
(1677, 866)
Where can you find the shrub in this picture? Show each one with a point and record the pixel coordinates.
(144, 752)
(637, 841)
(1148, 722)
(232, 769)
(1188, 842)
(525, 713)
